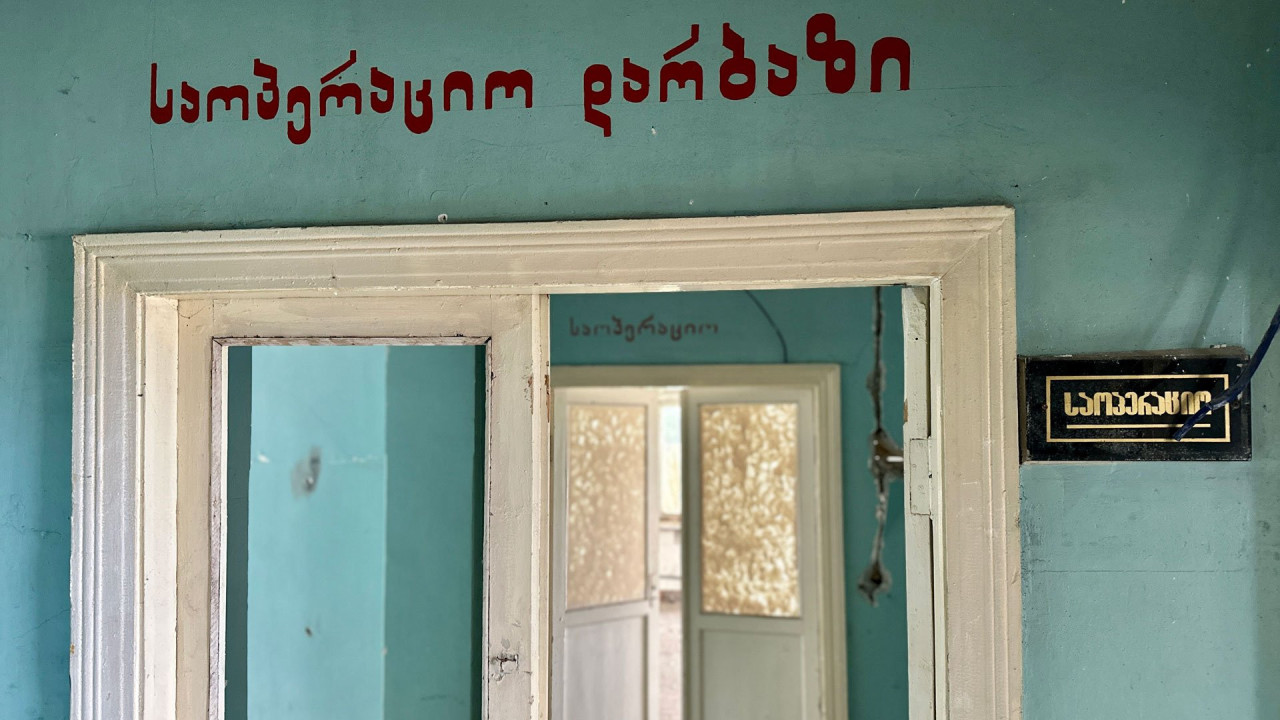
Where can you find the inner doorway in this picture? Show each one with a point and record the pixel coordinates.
(658, 647)
(690, 526)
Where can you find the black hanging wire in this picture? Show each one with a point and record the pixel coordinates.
(1240, 384)
(885, 463)
(786, 358)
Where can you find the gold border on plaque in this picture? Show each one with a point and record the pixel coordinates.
(1048, 400)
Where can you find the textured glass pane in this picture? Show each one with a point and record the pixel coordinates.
(607, 456)
(749, 469)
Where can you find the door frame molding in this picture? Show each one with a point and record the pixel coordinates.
(137, 295)
(821, 381)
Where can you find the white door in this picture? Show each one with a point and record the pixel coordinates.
(751, 543)
(605, 560)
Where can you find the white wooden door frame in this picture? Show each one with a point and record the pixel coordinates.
(820, 383)
(922, 575)
(147, 307)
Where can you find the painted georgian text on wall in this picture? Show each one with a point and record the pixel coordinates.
(635, 80)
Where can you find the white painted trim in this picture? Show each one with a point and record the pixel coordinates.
(126, 334)
(919, 446)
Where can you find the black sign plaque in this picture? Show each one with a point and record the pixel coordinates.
(1116, 407)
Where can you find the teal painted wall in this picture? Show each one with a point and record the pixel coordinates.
(435, 501)
(359, 597)
(239, 466)
(1138, 142)
(819, 326)
(316, 575)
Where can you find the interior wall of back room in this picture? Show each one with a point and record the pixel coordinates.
(355, 486)
(306, 569)
(817, 326)
(1139, 143)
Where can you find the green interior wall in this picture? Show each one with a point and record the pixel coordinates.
(239, 464)
(315, 578)
(819, 326)
(1136, 140)
(361, 596)
(435, 529)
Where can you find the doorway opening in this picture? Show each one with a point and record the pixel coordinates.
(710, 523)
(156, 314)
(355, 480)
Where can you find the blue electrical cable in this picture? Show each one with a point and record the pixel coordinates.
(1240, 384)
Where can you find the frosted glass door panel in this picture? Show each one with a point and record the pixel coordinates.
(608, 455)
(749, 457)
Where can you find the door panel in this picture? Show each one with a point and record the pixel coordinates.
(604, 663)
(605, 536)
(752, 675)
(751, 543)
